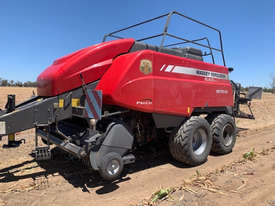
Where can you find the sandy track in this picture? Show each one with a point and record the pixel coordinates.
(61, 181)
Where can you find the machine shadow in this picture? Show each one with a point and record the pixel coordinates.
(79, 175)
(7, 175)
(240, 129)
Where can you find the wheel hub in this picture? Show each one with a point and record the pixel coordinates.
(199, 141)
(228, 131)
(113, 167)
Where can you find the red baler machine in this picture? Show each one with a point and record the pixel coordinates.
(101, 102)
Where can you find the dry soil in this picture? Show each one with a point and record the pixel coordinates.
(65, 181)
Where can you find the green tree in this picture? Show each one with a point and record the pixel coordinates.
(4, 82)
(273, 83)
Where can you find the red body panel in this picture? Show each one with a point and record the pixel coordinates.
(92, 62)
(163, 90)
(174, 85)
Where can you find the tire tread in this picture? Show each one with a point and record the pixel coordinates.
(179, 141)
(216, 129)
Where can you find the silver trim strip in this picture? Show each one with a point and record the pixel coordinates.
(196, 72)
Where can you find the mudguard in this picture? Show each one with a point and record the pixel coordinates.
(116, 139)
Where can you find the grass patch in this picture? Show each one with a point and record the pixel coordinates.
(161, 194)
(250, 155)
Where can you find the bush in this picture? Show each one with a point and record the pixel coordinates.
(12, 83)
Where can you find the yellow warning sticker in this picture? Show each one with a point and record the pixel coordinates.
(61, 103)
(75, 102)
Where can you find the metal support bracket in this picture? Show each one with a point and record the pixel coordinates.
(42, 153)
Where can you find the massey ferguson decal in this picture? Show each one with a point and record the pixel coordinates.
(193, 71)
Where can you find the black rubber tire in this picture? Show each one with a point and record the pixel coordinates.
(210, 117)
(103, 168)
(181, 142)
(223, 130)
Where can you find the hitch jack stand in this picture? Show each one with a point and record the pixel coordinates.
(10, 107)
(12, 142)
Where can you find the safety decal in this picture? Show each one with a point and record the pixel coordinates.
(93, 104)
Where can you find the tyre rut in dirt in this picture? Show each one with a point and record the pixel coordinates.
(111, 166)
(223, 129)
(191, 143)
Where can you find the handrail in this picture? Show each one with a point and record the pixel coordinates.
(165, 33)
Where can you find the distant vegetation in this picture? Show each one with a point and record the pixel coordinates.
(12, 83)
(270, 89)
(265, 89)
(272, 84)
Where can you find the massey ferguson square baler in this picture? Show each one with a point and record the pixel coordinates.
(102, 102)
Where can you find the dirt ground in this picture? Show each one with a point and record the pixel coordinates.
(222, 180)
(243, 182)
